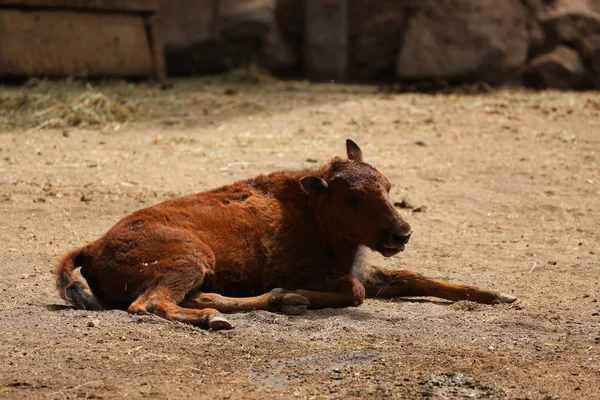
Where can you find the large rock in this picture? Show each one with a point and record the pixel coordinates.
(574, 23)
(566, 21)
(277, 54)
(212, 36)
(375, 29)
(242, 29)
(189, 35)
(326, 39)
(558, 69)
(457, 40)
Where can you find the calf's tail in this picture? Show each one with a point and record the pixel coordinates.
(69, 286)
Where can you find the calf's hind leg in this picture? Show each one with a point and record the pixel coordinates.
(179, 269)
(160, 302)
(384, 283)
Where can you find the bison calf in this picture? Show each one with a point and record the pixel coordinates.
(283, 242)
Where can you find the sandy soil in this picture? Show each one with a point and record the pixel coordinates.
(506, 188)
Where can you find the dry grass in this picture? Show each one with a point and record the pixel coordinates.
(53, 106)
(85, 110)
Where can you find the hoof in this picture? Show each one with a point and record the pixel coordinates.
(505, 298)
(289, 303)
(217, 323)
(293, 310)
(294, 300)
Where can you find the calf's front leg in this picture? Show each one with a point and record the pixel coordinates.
(379, 282)
(340, 292)
(344, 291)
(285, 302)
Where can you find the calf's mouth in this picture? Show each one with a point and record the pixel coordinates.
(388, 251)
(393, 244)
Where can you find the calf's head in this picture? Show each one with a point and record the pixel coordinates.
(352, 202)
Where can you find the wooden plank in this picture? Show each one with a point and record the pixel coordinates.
(325, 39)
(68, 43)
(123, 6)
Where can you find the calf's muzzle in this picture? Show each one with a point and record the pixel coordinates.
(396, 238)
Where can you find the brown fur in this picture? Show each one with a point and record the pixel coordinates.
(233, 248)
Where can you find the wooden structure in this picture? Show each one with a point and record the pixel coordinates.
(80, 38)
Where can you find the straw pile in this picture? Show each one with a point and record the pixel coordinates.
(39, 111)
(251, 74)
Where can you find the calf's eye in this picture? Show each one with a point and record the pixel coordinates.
(351, 201)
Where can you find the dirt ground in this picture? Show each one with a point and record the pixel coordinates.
(502, 190)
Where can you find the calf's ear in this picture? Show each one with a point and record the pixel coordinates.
(354, 152)
(314, 185)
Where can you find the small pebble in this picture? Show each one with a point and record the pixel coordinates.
(93, 323)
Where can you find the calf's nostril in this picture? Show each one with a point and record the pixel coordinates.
(400, 239)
